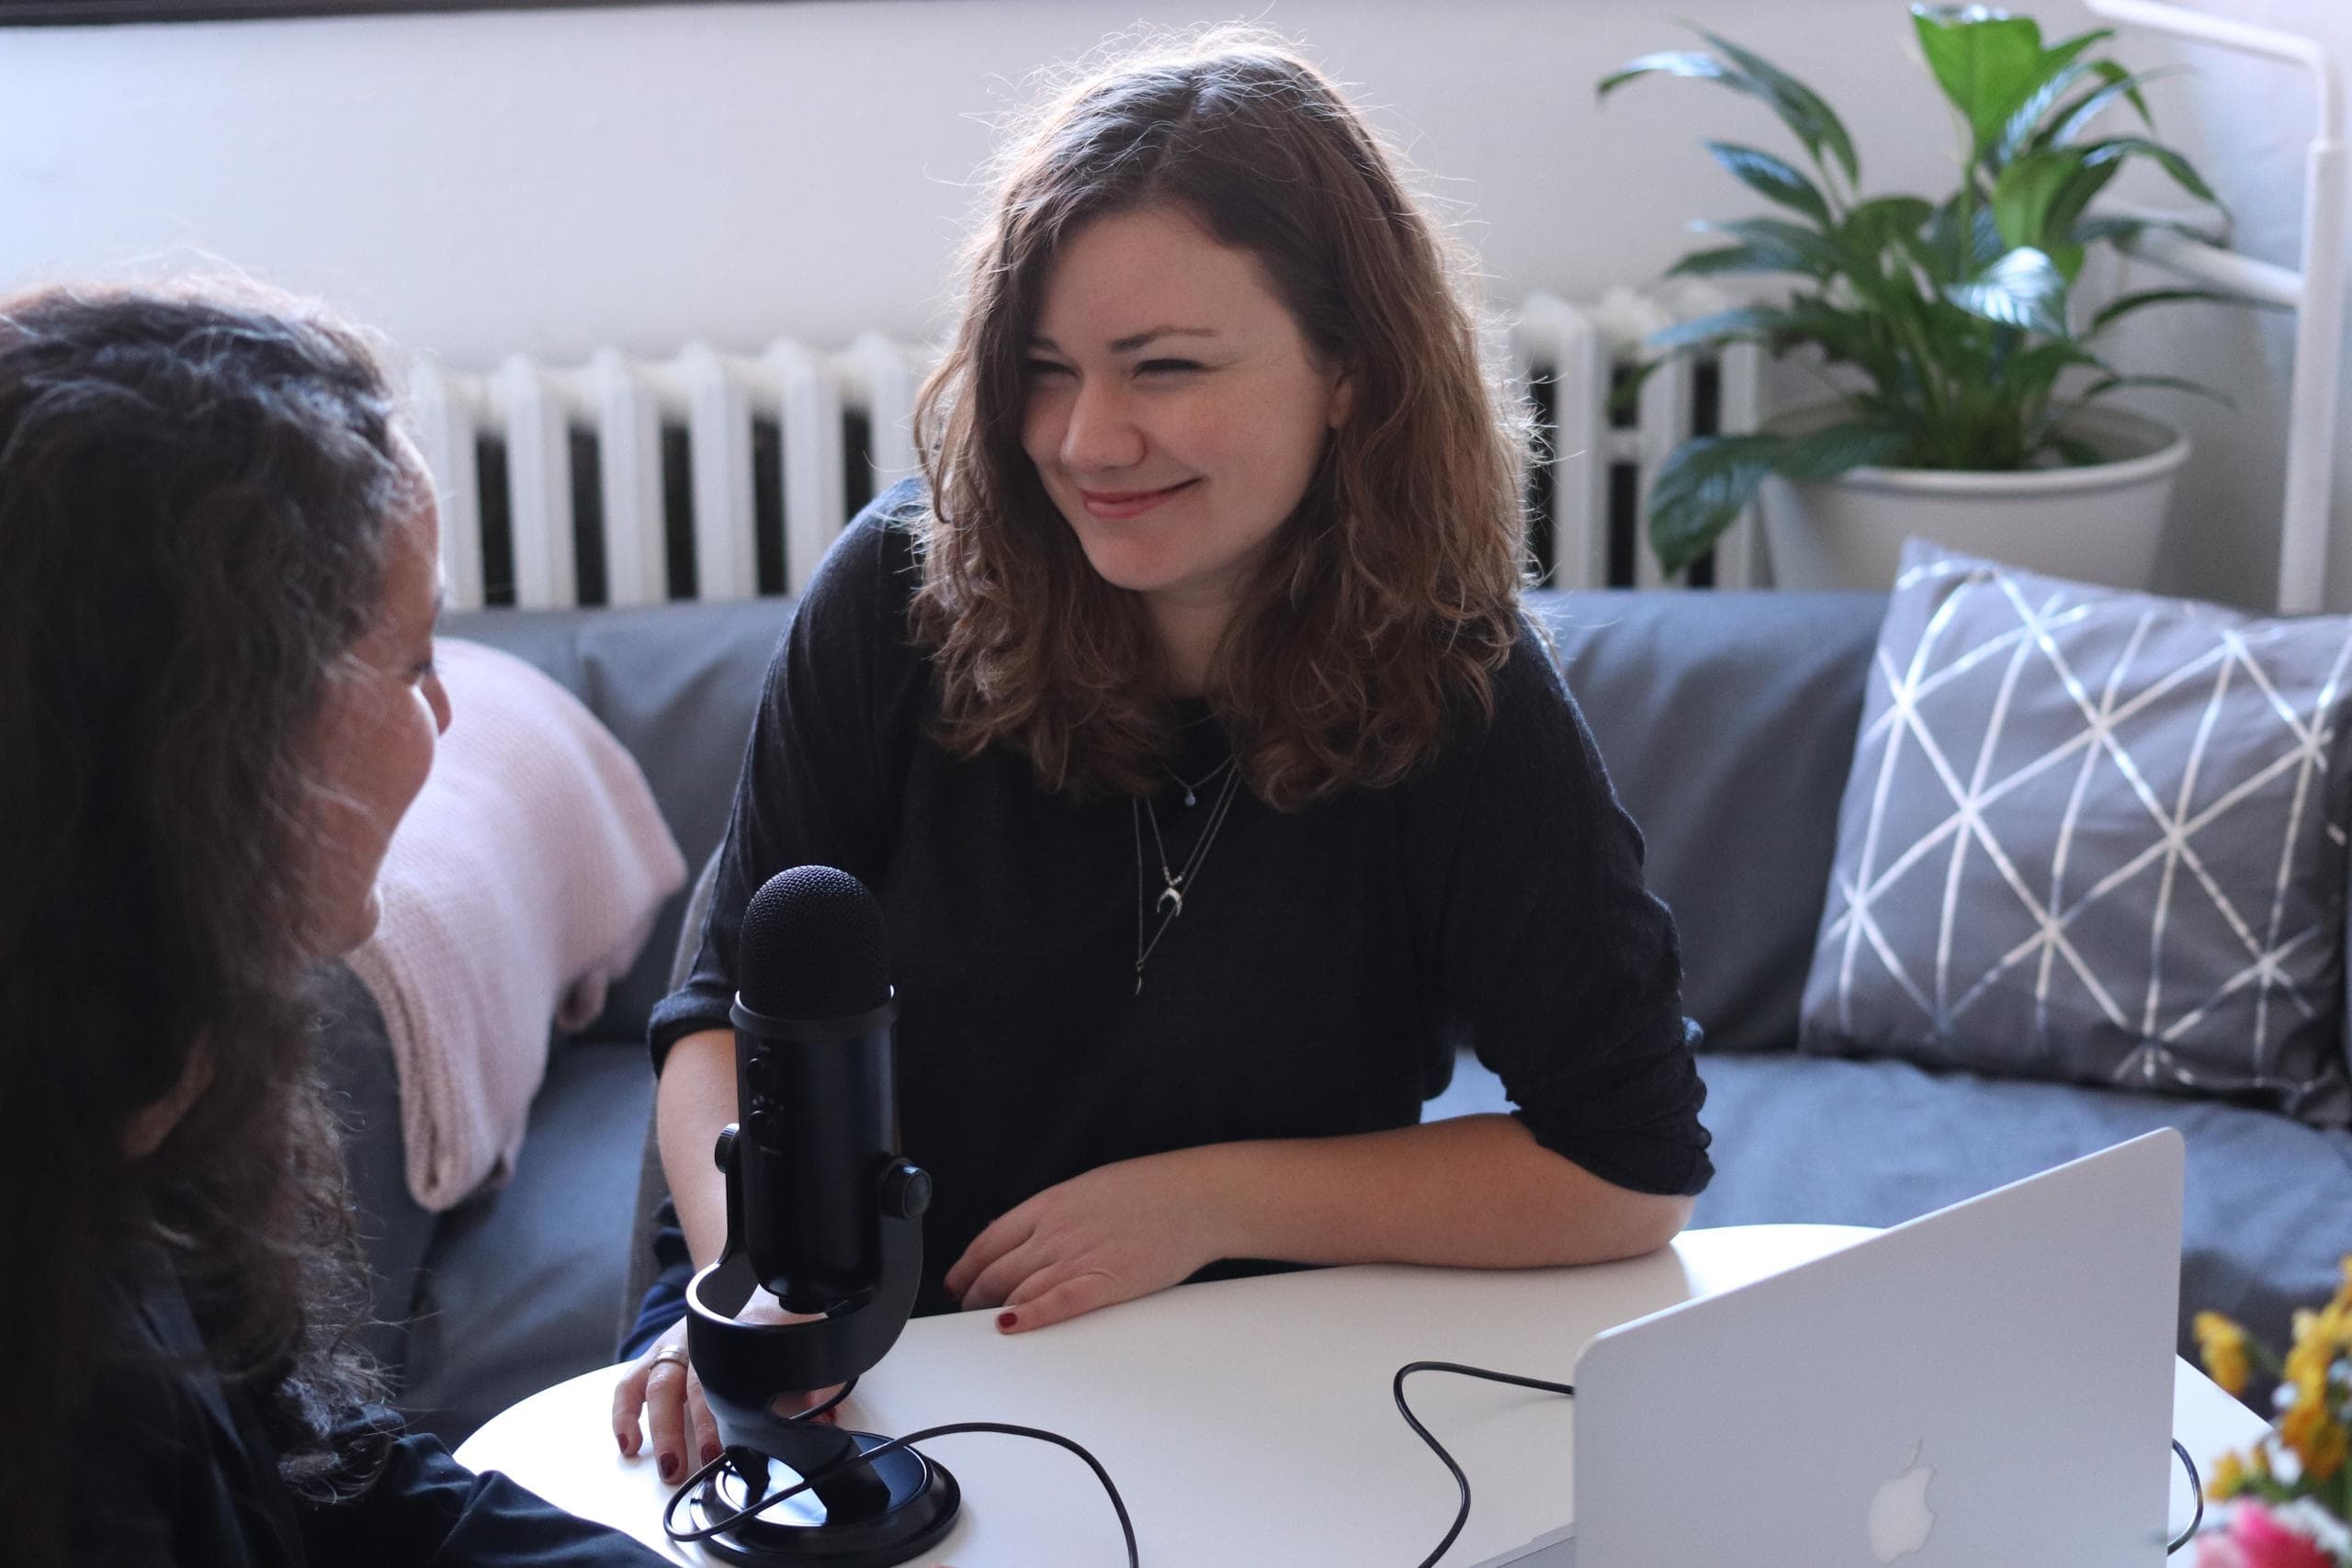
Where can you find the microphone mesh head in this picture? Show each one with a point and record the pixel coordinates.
(813, 947)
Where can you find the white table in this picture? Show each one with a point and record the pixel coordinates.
(1249, 1420)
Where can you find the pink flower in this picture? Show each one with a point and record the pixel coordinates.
(2258, 1540)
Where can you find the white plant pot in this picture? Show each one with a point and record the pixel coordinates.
(2099, 523)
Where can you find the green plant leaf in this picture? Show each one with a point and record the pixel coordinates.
(1700, 490)
(2063, 221)
(2024, 289)
(1858, 336)
(2058, 68)
(2018, 131)
(1734, 258)
(1773, 178)
(1702, 486)
(2117, 148)
(1954, 254)
(1741, 321)
(2120, 228)
(1885, 220)
(2024, 192)
(2067, 125)
(1834, 449)
(1800, 108)
(2124, 305)
(2033, 371)
(2079, 453)
(1789, 247)
(1986, 63)
(1675, 63)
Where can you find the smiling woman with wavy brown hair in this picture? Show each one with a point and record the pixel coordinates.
(1187, 728)
(1392, 587)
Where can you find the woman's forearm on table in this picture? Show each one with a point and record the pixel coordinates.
(1470, 1191)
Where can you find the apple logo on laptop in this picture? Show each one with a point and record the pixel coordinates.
(1900, 1517)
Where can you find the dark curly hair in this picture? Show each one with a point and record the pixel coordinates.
(1388, 598)
(196, 492)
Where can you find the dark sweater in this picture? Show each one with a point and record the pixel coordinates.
(176, 1472)
(1327, 963)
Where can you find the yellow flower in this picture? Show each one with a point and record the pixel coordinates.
(2318, 1440)
(2221, 1344)
(2228, 1478)
(2328, 1447)
(2319, 1337)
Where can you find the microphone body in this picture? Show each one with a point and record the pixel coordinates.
(820, 1123)
(822, 1212)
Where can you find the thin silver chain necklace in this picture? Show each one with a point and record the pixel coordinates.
(1174, 884)
(1193, 789)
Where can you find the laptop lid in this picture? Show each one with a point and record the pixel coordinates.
(1987, 1385)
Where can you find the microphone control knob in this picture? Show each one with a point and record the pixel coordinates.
(906, 1191)
(766, 1129)
(723, 1156)
(761, 1072)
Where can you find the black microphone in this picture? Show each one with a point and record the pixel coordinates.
(823, 1213)
(815, 1081)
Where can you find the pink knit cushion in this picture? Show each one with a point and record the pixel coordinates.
(521, 884)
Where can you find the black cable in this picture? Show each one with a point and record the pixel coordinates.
(2196, 1490)
(1462, 1514)
(1118, 1504)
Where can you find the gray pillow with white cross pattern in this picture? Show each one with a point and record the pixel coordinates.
(2095, 836)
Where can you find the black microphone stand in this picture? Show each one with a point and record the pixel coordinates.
(859, 1513)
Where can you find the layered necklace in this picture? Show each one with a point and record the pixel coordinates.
(1176, 883)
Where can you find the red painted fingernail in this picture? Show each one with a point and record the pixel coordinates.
(669, 1467)
(710, 1453)
(1006, 1320)
(620, 1441)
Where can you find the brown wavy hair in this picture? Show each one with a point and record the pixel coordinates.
(1389, 597)
(196, 493)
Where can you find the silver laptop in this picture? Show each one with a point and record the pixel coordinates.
(1988, 1386)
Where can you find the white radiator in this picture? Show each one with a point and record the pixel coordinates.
(610, 429)
(720, 475)
(1591, 486)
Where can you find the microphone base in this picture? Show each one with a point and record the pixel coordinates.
(921, 1509)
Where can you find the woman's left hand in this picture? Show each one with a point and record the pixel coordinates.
(1118, 1231)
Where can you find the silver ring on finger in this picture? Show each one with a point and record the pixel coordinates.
(669, 1355)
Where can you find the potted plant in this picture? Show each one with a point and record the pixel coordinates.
(1968, 387)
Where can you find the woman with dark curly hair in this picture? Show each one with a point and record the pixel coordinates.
(219, 579)
(1187, 726)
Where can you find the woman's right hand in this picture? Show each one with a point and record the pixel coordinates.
(665, 1391)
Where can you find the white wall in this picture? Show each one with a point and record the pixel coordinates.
(553, 181)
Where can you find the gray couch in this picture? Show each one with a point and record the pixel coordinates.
(1727, 721)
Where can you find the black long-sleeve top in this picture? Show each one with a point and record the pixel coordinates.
(174, 1470)
(1326, 964)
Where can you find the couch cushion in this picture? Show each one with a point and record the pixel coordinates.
(1812, 1140)
(1727, 722)
(519, 885)
(2093, 835)
(676, 684)
(519, 1287)
(1875, 1143)
(354, 1059)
